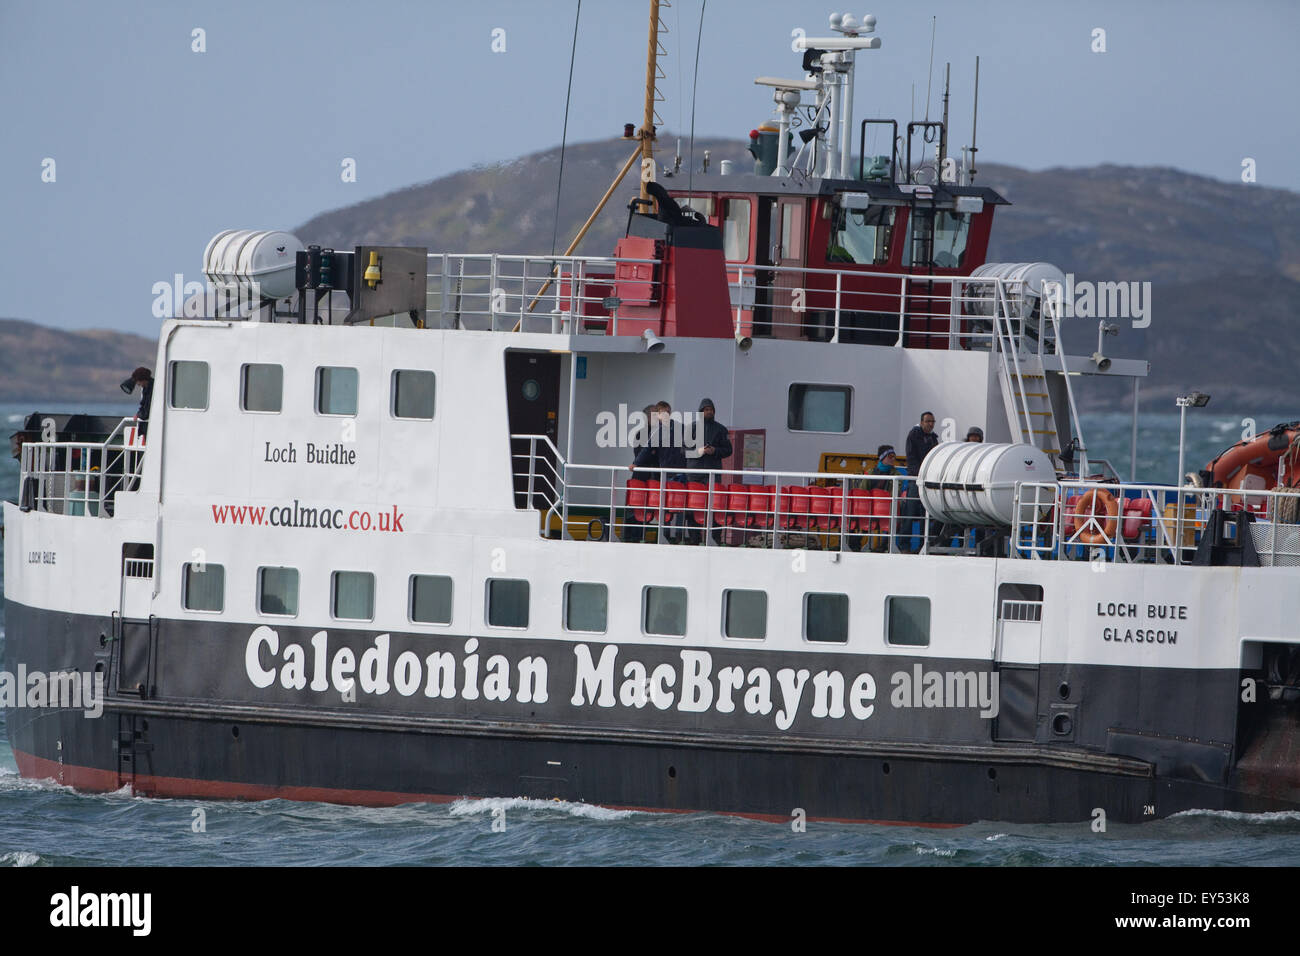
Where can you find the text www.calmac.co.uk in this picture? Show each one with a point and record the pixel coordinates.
(299, 516)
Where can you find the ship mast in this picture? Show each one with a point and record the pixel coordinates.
(647, 132)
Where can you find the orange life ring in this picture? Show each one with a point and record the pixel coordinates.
(1092, 530)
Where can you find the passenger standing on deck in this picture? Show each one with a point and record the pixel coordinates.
(144, 378)
(715, 449)
(920, 442)
(640, 441)
(665, 451)
(975, 433)
(879, 478)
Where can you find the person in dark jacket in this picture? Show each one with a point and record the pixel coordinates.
(665, 449)
(717, 442)
(144, 378)
(920, 442)
(641, 440)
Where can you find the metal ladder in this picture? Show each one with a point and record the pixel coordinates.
(1028, 402)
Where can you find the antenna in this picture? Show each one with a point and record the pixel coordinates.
(929, 73)
(943, 130)
(973, 123)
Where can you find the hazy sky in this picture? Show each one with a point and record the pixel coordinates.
(156, 147)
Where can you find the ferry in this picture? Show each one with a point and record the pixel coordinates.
(395, 526)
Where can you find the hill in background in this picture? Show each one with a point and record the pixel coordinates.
(1223, 259)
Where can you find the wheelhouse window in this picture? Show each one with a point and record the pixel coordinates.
(413, 391)
(431, 598)
(744, 614)
(189, 385)
(819, 408)
(277, 591)
(353, 596)
(336, 391)
(937, 238)
(204, 587)
(664, 611)
(735, 230)
(586, 607)
(861, 236)
(262, 388)
(907, 621)
(826, 618)
(507, 602)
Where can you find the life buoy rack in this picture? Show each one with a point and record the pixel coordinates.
(1093, 530)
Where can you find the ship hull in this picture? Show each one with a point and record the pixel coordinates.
(173, 746)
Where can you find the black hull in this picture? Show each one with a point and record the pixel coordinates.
(238, 750)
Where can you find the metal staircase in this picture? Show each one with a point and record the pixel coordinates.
(1026, 396)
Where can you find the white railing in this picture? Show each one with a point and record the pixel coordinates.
(831, 305)
(558, 294)
(1130, 523)
(80, 478)
(564, 294)
(767, 509)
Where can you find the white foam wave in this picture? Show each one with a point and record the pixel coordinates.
(19, 858)
(994, 836)
(934, 851)
(1268, 816)
(468, 807)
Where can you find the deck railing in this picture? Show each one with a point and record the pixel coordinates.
(1074, 521)
(80, 478)
(1065, 520)
(578, 294)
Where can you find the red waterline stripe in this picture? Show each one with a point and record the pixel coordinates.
(94, 780)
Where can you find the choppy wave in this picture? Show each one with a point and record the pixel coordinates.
(472, 807)
(20, 858)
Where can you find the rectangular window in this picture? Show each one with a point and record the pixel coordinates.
(204, 588)
(507, 602)
(412, 393)
(431, 599)
(735, 229)
(336, 391)
(826, 618)
(189, 385)
(262, 388)
(744, 614)
(354, 595)
(861, 235)
(664, 611)
(819, 408)
(791, 231)
(586, 607)
(277, 591)
(907, 621)
(937, 238)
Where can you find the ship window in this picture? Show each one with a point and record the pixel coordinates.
(189, 385)
(907, 621)
(942, 234)
(735, 230)
(791, 231)
(354, 595)
(586, 607)
(819, 408)
(431, 599)
(701, 204)
(277, 591)
(861, 236)
(205, 587)
(826, 618)
(744, 614)
(263, 387)
(412, 393)
(664, 611)
(336, 391)
(507, 602)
